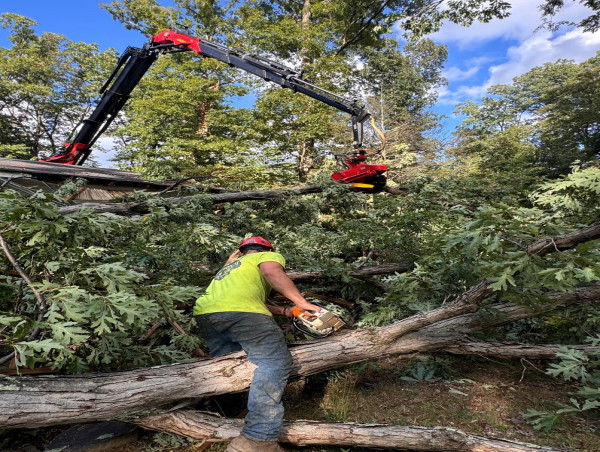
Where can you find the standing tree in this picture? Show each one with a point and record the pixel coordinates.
(47, 88)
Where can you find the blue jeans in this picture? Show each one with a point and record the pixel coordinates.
(262, 340)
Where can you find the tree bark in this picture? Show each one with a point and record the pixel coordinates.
(41, 401)
(306, 433)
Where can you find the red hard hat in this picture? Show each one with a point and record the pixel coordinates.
(256, 241)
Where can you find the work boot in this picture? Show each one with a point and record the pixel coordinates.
(243, 444)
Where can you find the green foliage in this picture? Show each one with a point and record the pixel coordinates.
(573, 365)
(458, 247)
(577, 366)
(101, 284)
(542, 420)
(108, 279)
(426, 369)
(162, 440)
(576, 195)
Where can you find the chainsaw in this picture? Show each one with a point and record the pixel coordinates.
(317, 324)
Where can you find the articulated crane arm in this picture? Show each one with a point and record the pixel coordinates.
(135, 62)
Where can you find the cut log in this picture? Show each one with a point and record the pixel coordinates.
(31, 402)
(307, 433)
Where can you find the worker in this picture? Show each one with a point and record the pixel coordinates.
(233, 315)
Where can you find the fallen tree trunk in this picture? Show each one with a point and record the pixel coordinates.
(41, 401)
(307, 433)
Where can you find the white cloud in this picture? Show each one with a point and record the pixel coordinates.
(526, 47)
(473, 67)
(543, 48)
(451, 97)
(524, 19)
(455, 74)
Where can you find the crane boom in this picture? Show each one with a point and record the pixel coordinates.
(135, 62)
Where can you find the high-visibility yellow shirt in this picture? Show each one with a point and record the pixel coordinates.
(239, 286)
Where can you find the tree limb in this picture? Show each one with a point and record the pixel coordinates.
(512, 351)
(364, 272)
(366, 23)
(565, 241)
(41, 302)
(143, 207)
(139, 208)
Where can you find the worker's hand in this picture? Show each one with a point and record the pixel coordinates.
(313, 307)
(306, 306)
(233, 256)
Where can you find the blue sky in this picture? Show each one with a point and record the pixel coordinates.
(478, 57)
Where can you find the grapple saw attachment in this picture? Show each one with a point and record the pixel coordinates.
(364, 176)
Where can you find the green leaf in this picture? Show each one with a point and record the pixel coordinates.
(541, 420)
(53, 266)
(26, 351)
(68, 333)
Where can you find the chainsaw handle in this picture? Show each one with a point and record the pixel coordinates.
(300, 314)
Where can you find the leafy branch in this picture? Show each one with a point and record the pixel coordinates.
(41, 302)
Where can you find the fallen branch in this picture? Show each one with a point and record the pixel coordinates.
(307, 433)
(564, 242)
(363, 272)
(39, 298)
(139, 208)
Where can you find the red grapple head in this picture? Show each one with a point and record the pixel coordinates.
(256, 241)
